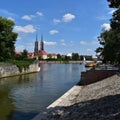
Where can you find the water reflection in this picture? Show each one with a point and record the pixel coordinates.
(6, 104)
(22, 97)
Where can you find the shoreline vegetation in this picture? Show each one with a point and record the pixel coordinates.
(15, 67)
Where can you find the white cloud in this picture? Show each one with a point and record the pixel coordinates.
(89, 50)
(62, 40)
(30, 17)
(83, 42)
(39, 13)
(112, 11)
(25, 29)
(50, 43)
(10, 18)
(71, 43)
(20, 48)
(89, 43)
(68, 17)
(52, 32)
(7, 12)
(56, 21)
(95, 42)
(106, 26)
(102, 18)
(27, 17)
(63, 44)
(27, 46)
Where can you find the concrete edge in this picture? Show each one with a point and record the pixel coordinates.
(63, 97)
(59, 100)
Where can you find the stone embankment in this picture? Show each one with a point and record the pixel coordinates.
(98, 101)
(11, 70)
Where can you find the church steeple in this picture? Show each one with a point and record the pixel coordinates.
(36, 46)
(41, 43)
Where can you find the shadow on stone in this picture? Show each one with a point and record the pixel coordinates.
(106, 108)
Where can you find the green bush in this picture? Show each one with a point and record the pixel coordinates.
(22, 64)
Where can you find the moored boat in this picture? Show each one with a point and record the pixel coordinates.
(91, 64)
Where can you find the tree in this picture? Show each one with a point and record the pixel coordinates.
(114, 3)
(75, 56)
(24, 54)
(110, 40)
(59, 57)
(7, 39)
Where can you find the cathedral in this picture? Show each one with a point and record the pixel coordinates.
(40, 53)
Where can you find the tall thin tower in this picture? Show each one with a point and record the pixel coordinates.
(41, 43)
(36, 47)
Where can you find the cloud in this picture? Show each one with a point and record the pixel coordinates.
(10, 18)
(50, 43)
(102, 18)
(39, 13)
(27, 46)
(71, 43)
(62, 40)
(63, 44)
(112, 11)
(89, 50)
(56, 21)
(52, 32)
(68, 17)
(20, 48)
(83, 42)
(25, 29)
(7, 12)
(27, 17)
(106, 26)
(89, 43)
(30, 17)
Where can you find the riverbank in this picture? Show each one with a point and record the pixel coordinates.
(100, 100)
(9, 70)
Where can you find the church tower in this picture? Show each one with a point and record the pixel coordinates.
(42, 43)
(36, 47)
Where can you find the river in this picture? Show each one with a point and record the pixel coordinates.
(22, 97)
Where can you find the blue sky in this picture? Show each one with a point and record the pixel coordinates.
(67, 26)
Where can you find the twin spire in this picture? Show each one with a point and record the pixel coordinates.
(36, 49)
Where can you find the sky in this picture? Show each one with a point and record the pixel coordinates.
(67, 26)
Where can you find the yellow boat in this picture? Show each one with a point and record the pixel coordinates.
(91, 64)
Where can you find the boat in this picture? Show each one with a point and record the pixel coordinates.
(91, 64)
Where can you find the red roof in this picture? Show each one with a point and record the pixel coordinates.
(42, 52)
(18, 53)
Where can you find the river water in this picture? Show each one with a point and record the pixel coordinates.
(23, 97)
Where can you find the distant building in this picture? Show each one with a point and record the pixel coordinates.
(52, 55)
(30, 55)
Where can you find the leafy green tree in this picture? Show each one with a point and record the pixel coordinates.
(59, 57)
(24, 54)
(114, 3)
(110, 40)
(75, 56)
(7, 39)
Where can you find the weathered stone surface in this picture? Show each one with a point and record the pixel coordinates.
(11, 70)
(98, 101)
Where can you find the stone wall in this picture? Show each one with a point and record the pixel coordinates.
(92, 76)
(11, 70)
